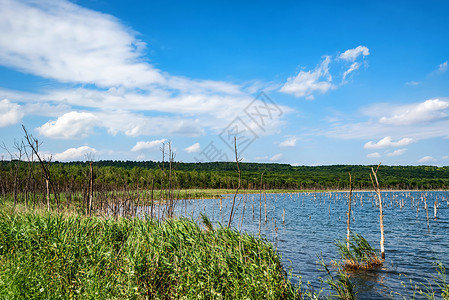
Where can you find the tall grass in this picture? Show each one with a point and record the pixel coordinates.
(49, 255)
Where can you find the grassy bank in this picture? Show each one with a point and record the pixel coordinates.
(47, 255)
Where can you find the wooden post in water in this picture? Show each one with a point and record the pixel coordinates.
(381, 215)
(349, 211)
(435, 207)
(283, 216)
(265, 197)
(260, 202)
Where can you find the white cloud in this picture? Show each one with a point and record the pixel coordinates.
(194, 148)
(429, 110)
(151, 145)
(388, 142)
(442, 67)
(373, 155)
(288, 143)
(354, 66)
(426, 159)
(352, 54)
(276, 157)
(306, 83)
(74, 153)
(72, 125)
(10, 113)
(446, 157)
(63, 41)
(68, 43)
(413, 83)
(319, 80)
(397, 152)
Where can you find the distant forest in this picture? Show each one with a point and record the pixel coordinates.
(111, 175)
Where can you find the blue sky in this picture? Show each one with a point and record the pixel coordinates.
(298, 82)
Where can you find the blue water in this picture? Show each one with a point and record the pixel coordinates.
(313, 221)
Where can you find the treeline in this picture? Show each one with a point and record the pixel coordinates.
(111, 175)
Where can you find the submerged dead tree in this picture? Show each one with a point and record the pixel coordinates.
(348, 235)
(239, 184)
(260, 202)
(379, 196)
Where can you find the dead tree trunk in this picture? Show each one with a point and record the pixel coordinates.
(381, 215)
(34, 145)
(348, 235)
(238, 187)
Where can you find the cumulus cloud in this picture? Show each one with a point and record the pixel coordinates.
(388, 142)
(306, 83)
(353, 54)
(151, 145)
(72, 125)
(426, 159)
(397, 152)
(288, 143)
(194, 148)
(74, 153)
(277, 157)
(429, 110)
(373, 155)
(10, 113)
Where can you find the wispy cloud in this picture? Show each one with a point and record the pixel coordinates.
(352, 68)
(412, 83)
(373, 155)
(307, 82)
(442, 68)
(426, 159)
(388, 142)
(63, 41)
(149, 145)
(277, 157)
(193, 148)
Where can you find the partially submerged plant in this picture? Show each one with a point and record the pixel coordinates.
(359, 255)
(340, 283)
(439, 280)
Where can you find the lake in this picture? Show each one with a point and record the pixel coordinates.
(313, 221)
